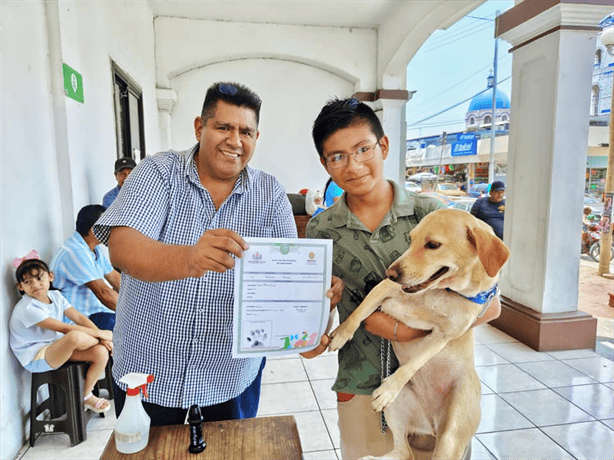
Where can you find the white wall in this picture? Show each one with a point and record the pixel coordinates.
(29, 189)
(295, 70)
(37, 120)
(290, 105)
(93, 34)
(184, 44)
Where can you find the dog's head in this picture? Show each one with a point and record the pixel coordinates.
(452, 249)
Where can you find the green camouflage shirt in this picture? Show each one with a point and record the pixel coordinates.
(360, 259)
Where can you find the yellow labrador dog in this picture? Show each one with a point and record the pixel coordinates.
(442, 283)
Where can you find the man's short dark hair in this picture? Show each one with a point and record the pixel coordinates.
(341, 113)
(87, 217)
(231, 93)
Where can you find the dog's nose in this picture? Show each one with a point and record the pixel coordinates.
(392, 274)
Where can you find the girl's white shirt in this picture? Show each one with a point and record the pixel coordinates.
(26, 338)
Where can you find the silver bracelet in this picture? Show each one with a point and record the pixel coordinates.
(395, 332)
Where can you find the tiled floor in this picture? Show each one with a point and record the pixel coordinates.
(534, 405)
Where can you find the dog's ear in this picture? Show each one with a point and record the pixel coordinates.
(493, 253)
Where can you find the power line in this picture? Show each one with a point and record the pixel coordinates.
(479, 71)
(453, 31)
(455, 105)
(451, 39)
(444, 40)
(475, 17)
(438, 121)
(435, 125)
(434, 41)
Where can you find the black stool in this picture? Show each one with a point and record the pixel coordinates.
(65, 402)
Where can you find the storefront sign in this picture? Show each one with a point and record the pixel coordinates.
(466, 144)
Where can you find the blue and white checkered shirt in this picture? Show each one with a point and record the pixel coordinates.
(181, 331)
(74, 265)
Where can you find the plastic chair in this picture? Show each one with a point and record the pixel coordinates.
(65, 403)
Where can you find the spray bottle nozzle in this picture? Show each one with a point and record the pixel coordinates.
(137, 382)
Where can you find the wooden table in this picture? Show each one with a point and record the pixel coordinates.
(253, 438)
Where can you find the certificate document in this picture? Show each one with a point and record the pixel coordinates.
(280, 296)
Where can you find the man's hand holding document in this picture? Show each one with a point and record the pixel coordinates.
(281, 301)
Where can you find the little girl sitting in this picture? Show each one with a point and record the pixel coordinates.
(42, 342)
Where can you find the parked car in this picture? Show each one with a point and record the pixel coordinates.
(476, 190)
(412, 186)
(423, 177)
(464, 203)
(446, 200)
(448, 189)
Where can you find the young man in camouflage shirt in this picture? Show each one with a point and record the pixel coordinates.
(370, 228)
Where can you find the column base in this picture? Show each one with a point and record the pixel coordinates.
(571, 330)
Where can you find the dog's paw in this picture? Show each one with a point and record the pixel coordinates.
(339, 337)
(384, 395)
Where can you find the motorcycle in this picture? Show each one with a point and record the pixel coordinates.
(592, 246)
(595, 250)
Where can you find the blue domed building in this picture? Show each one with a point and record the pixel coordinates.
(479, 115)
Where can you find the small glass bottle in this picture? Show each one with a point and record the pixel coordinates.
(197, 444)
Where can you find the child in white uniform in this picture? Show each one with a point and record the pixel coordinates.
(42, 342)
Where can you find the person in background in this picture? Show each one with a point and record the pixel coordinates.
(39, 338)
(84, 274)
(174, 232)
(123, 168)
(491, 208)
(587, 223)
(332, 192)
(370, 225)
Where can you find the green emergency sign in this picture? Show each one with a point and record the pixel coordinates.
(73, 83)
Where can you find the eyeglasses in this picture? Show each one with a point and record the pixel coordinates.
(362, 154)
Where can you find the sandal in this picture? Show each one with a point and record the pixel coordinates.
(98, 406)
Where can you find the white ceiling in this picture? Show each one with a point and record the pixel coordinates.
(359, 14)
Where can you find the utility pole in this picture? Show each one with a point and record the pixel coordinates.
(443, 143)
(607, 38)
(606, 231)
(491, 162)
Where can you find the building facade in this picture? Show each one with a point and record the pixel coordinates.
(599, 115)
(465, 155)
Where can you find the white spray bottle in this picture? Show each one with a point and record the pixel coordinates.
(132, 427)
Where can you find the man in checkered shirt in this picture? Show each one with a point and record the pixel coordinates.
(174, 231)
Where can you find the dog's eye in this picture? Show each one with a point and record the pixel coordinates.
(432, 245)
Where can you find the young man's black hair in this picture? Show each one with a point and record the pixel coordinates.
(342, 113)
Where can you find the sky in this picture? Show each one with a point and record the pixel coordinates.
(453, 65)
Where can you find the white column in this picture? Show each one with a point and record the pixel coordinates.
(166, 101)
(392, 115)
(551, 80)
(61, 147)
(389, 104)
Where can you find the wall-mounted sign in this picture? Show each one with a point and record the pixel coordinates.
(466, 144)
(73, 83)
